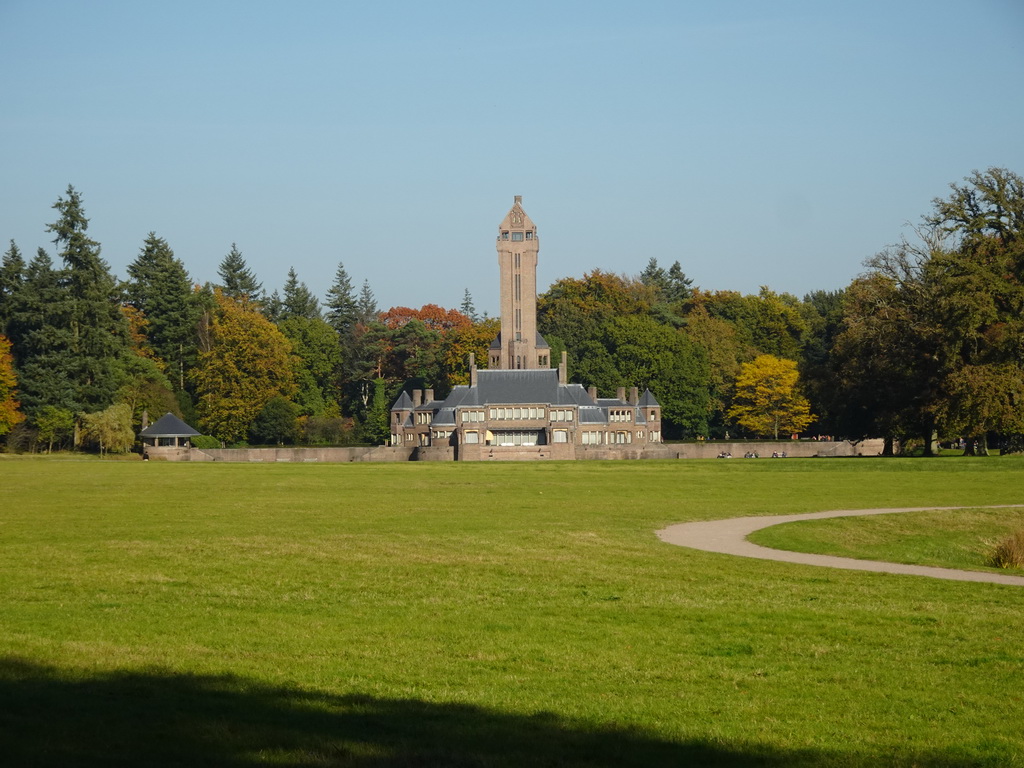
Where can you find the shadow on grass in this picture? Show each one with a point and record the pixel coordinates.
(48, 718)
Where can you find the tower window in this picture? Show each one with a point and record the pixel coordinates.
(529, 235)
(517, 237)
(504, 235)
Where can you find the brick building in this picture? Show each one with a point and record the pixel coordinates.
(521, 408)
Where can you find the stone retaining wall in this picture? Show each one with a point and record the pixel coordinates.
(385, 453)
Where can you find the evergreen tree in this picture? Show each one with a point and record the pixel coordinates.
(98, 331)
(39, 330)
(467, 307)
(237, 280)
(298, 300)
(161, 289)
(343, 311)
(367, 304)
(12, 275)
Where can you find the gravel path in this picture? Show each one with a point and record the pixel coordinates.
(729, 537)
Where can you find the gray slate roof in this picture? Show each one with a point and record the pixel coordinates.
(647, 400)
(168, 425)
(501, 387)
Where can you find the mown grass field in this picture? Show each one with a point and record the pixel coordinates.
(960, 538)
(486, 615)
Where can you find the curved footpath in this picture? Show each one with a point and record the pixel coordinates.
(729, 537)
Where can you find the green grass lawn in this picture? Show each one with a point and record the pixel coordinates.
(486, 615)
(961, 538)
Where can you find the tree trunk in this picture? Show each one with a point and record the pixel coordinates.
(887, 446)
(977, 446)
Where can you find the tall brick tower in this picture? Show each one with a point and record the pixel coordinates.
(518, 345)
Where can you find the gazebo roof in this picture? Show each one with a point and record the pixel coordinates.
(168, 425)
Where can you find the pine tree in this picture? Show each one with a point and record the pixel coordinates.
(12, 275)
(39, 329)
(342, 306)
(467, 308)
(98, 329)
(161, 288)
(367, 304)
(298, 300)
(237, 280)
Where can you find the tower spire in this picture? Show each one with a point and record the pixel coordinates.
(519, 345)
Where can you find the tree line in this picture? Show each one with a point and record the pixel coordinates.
(926, 344)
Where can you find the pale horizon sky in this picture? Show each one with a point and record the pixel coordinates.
(758, 144)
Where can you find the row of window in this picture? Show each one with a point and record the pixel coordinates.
(517, 237)
(620, 415)
(534, 437)
(502, 414)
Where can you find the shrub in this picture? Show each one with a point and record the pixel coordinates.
(205, 441)
(1009, 553)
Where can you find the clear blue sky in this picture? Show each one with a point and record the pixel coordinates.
(759, 143)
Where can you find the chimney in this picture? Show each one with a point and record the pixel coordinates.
(145, 418)
(563, 369)
(620, 393)
(428, 396)
(417, 397)
(592, 391)
(472, 369)
(634, 396)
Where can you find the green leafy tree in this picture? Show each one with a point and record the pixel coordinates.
(277, 423)
(237, 281)
(56, 426)
(768, 400)
(318, 360)
(110, 429)
(376, 427)
(658, 357)
(459, 343)
(246, 362)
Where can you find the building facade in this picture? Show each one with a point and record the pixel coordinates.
(521, 408)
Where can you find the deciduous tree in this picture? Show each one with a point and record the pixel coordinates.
(248, 362)
(10, 413)
(768, 400)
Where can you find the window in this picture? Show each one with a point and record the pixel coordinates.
(472, 437)
(655, 436)
(516, 438)
(529, 235)
(504, 235)
(517, 237)
(561, 436)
